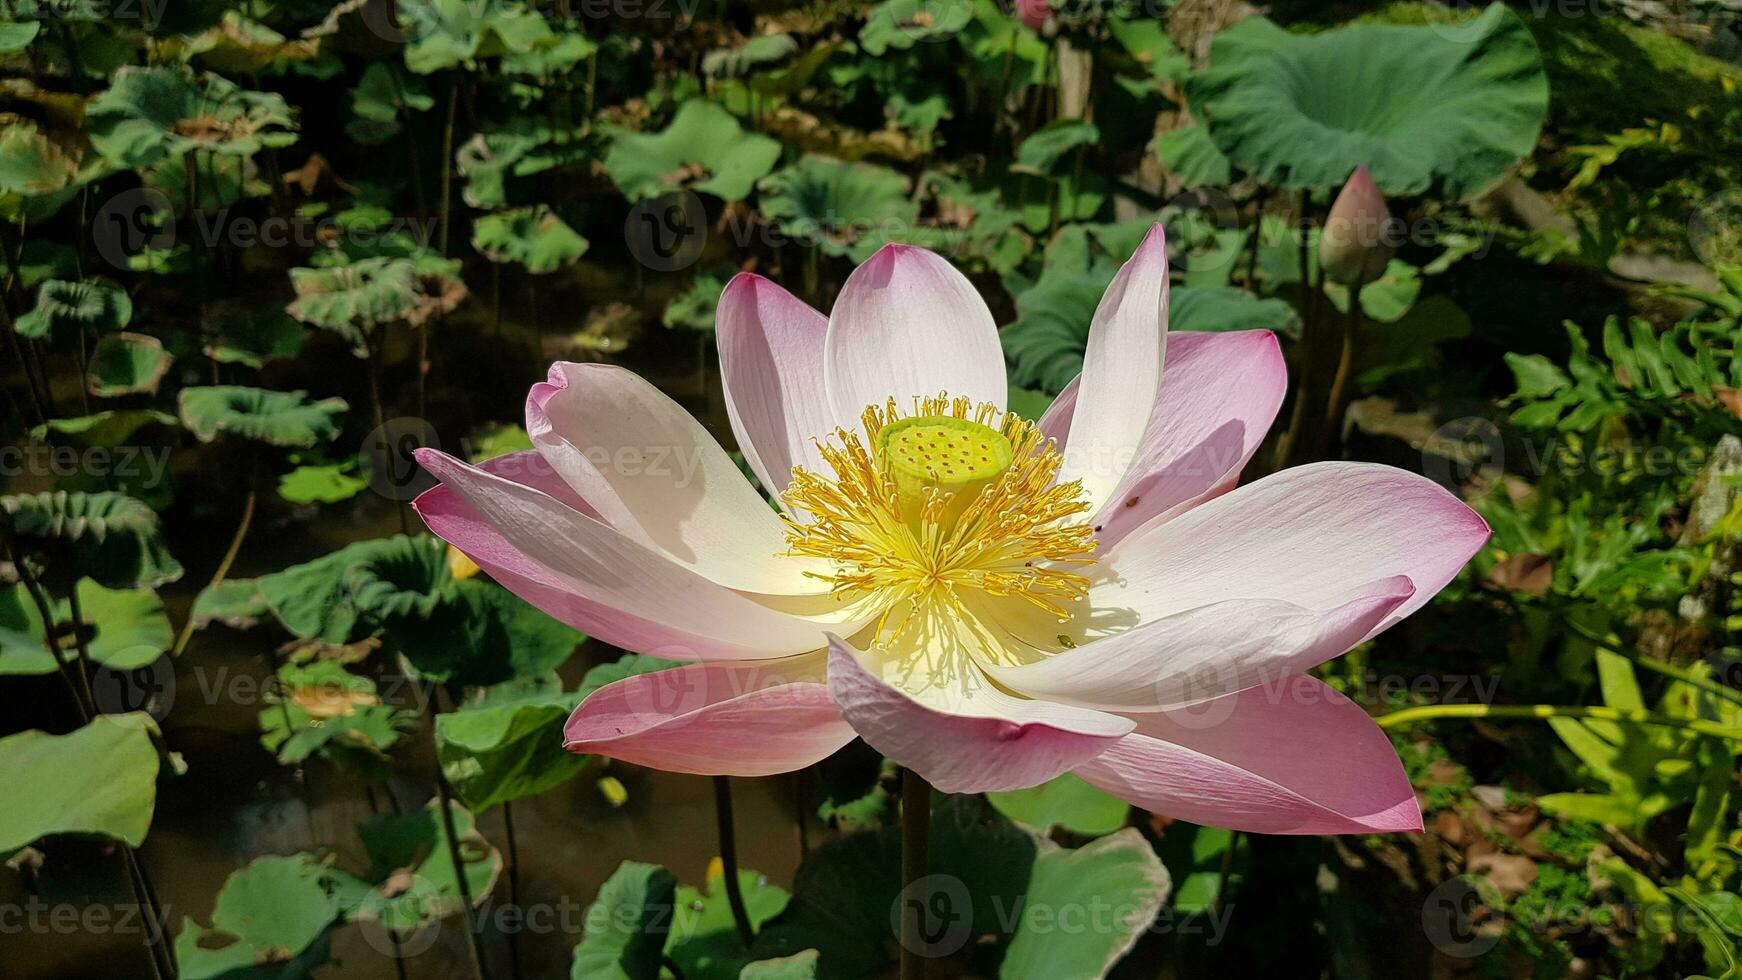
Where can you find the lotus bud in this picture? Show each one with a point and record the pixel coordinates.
(1034, 13)
(1357, 240)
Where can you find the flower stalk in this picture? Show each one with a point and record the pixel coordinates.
(729, 858)
(915, 865)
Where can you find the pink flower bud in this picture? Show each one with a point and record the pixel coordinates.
(1034, 13)
(1358, 239)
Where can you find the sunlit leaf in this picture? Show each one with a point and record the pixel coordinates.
(703, 149)
(100, 779)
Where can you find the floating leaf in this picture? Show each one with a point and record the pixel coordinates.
(37, 174)
(126, 629)
(277, 418)
(627, 924)
(100, 779)
(534, 237)
(267, 915)
(1065, 801)
(328, 483)
(148, 114)
(110, 537)
(65, 309)
(703, 148)
(1417, 105)
(323, 708)
(127, 364)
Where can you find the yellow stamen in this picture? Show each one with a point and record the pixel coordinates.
(917, 520)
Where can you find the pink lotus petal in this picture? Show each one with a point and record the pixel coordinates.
(771, 361)
(714, 719)
(1313, 535)
(1219, 395)
(595, 578)
(1121, 373)
(907, 323)
(1289, 758)
(1204, 653)
(651, 470)
(1005, 743)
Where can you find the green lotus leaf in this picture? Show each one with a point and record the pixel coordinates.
(1199, 860)
(411, 879)
(1119, 873)
(269, 914)
(110, 537)
(498, 439)
(845, 889)
(445, 34)
(315, 599)
(900, 24)
(324, 708)
(406, 576)
(847, 209)
(127, 364)
(235, 602)
(551, 56)
(1046, 342)
(628, 665)
(1437, 106)
(100, 779)
(1065, 801)
(356, 297)
(254, 337)
(64, 309)
(1146, 40)
(37, 174)
(16, 36)
(148, 114)
(107, 428)
(277, 418)
(798, 966)
(1193, 157)
(326, 483)
(505, 749)
(127, 629)
(627, 925)
(1214, 309)
(703, 148)
(534, 237)
(1028, 403)
(704, 938)
(384, 94)
(695, 307)
(1046, 146)
(238, 45)
(761, 50)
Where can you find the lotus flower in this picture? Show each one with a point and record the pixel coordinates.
(989, 601)
(1357, 240)
(1034, 13)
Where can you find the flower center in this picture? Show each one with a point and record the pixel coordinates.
(926, 510)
